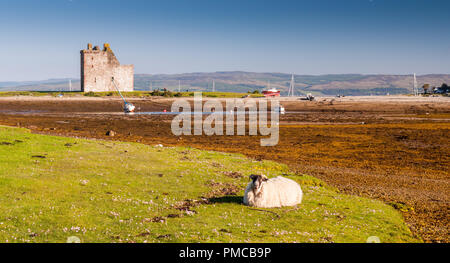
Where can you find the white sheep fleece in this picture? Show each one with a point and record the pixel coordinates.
(275, 192)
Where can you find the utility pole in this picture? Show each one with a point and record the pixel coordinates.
(214, 86)
(179, 85)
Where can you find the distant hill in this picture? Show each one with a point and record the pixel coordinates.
(345, 84)
(43, 85)
(238, 81)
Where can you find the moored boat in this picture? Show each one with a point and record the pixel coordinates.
(273, 92)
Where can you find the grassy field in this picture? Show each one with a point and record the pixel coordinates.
(52, 188)
(132, 94)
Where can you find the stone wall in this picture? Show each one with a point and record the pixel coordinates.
(99, 66)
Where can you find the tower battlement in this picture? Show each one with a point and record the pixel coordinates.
(98, 66)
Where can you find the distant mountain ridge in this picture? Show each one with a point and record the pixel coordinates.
(239, 81)
(40, 85)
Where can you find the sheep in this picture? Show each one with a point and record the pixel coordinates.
(276, 192)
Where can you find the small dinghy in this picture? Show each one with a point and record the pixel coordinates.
(280, 109)
(128, 107)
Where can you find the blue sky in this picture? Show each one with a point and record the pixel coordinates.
(41, 39)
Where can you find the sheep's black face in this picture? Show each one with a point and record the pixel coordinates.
(254, 177)
(257, 180)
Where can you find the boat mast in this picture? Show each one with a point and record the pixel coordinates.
(291, 87)
(112, 79)
(415, 88)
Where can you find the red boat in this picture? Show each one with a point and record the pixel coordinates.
(271, 93)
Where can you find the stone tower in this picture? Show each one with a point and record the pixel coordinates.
(99, 66)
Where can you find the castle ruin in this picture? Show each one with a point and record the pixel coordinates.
(99, 66)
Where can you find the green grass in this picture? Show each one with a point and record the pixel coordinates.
(37, 93)
(223, 94)
(132, 94)
(105, 191)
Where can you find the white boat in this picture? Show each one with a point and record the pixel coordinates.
(271, 92)
(128, 108)
(309, 97)
(280, 109)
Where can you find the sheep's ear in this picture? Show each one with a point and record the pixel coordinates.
(253, 177)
